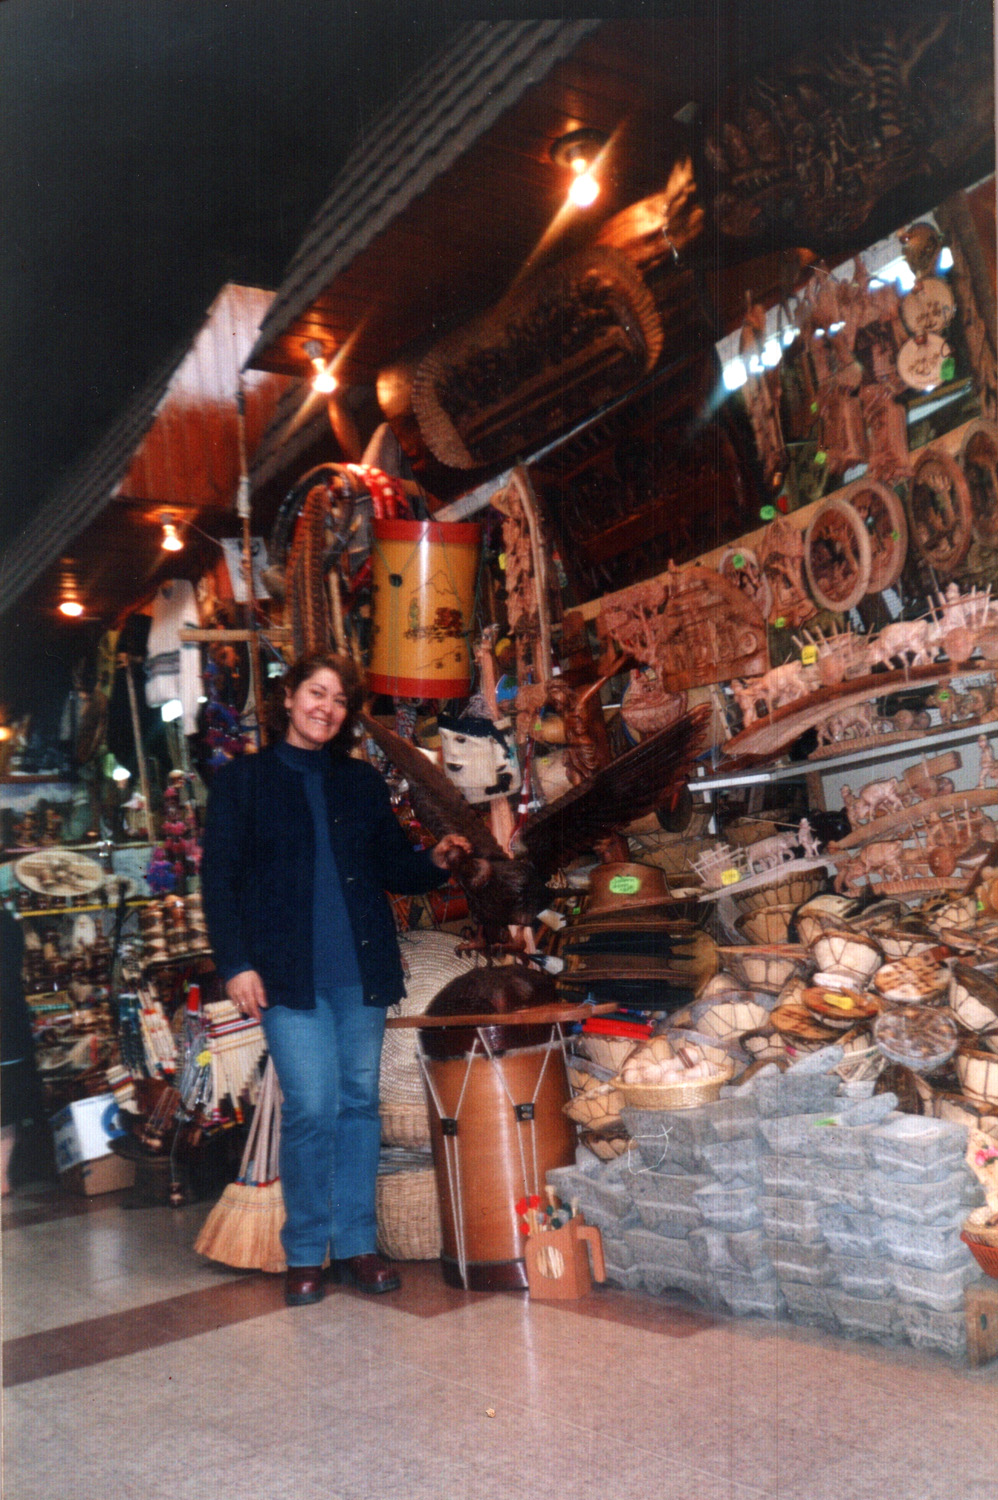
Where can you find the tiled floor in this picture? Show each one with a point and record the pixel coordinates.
(134, 1370)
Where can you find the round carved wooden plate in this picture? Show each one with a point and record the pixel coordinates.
(940, 513)
(979, 462)
(837, 556)
(886, 524)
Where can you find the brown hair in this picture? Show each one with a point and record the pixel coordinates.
(347, 671)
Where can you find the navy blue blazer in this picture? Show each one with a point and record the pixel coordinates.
(258, 871)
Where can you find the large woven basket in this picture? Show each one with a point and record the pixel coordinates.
(432, 963)
(681, 1095)
(407, 1206)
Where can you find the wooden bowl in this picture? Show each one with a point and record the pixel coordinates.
(770, 924)
(852, 955)
(596, 1107)
(978, 1075)
(840, 1008)
(973, 997)
(728, 1021)
(789, 888)
(916, 980)
(764, 967)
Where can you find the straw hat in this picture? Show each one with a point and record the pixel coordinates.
(623, 887)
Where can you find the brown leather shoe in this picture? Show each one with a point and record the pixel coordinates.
(302, 1285)
(368, 1273)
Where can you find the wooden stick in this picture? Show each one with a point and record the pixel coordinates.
(541, 1015)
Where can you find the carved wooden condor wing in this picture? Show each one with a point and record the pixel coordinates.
(437, 803)
(630, 786)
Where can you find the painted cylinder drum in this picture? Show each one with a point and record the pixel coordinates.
(497, 1127)
(423, 576)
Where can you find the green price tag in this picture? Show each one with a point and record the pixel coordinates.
(780, 622)
(821, 457)
(624, 885)
(948, 368)
(738, 561)
(768, 512)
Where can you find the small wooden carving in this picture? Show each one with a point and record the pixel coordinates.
(941, 515)
(837, 555)
(694, 628)
(979, 462)
(782, 557)
(883, 517)
(761, 393)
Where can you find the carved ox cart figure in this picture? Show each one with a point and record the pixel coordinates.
(859, 722)
(884, 859)
(766, 854)
(911, 642)
(872, 801)
(775, 689)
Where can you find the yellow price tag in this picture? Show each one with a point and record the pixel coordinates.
(809, 655)
(730, 877)
(204, 1058)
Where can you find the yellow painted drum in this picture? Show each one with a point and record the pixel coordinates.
(423, 576)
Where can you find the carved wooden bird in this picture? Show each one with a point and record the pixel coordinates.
(503, 889)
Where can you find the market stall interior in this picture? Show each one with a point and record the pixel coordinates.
(663, 521)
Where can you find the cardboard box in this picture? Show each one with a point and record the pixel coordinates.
(85, 1129)
(105, 1174)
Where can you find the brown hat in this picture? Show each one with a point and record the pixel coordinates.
(620, 887)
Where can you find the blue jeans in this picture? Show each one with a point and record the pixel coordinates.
(328, 1062)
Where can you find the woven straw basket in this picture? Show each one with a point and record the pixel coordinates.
(432, 963)
(674, 1095)
(407, 1205)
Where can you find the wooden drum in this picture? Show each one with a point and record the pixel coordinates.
(496, 1128)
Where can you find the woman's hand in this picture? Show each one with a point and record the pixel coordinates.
(449, 851)
(247, 993)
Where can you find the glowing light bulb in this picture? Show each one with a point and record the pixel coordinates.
(585, 188)
(71, 608)
(324, 381)
(171, 541)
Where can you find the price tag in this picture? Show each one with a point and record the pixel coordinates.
(821, 457)
(502, 561)
(730, 877)
(809, 655)
(624, 885)
(768, 512)
(738, 561)
(204, 1058)
(780, 622)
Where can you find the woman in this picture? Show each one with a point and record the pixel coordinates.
(301, 845)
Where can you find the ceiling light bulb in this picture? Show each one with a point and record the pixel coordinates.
(171, 541)
(323, 381)
(585, 188)
(71, 608)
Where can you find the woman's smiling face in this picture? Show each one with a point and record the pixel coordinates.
(316, 710)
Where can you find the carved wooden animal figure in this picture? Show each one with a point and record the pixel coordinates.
(766, 854)
(848, 723)
(786, 683)
(904, 640)
(807, 840)
(989, 763)
(885, 858)
(872, 801)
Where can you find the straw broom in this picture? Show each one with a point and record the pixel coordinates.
(243, 1229)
